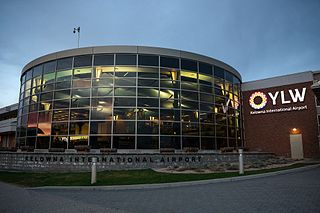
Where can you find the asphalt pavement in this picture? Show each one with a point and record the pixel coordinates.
(292, 192)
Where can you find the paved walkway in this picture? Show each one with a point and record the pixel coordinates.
(294, 192)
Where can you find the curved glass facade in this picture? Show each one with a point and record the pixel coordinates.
(129, 101)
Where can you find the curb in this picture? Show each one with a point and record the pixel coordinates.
(175, 184)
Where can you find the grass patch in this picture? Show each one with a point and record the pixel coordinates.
(107, 178)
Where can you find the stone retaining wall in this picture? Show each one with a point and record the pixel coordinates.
(83, 162)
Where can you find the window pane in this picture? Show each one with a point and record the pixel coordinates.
(78, 140)
(170, 84)
(123, 127)
(103, 72)
(102, 82)
(61, 115)
(124, 142)
(29, 74)
(192, 96)
(101, 113)
(103, 59)
(59, 142)
(206, 117)
(189, 64)
(124, 59)
(82, 73)
(100, 127)
(169, 74)
(206, 89)
(189, 77)
(124, 113)
(207, 130)
(148, 72)
(169, 94)
(169, 103)
(45, 105)
(229, 77)
(206, 98)
(169, 115)
(169, 62)
(190, 105)
(190, 142)
(222, 142)
(78, 93)
(148, 83)
(79, 114)
(62, 94)
(189, 86)
(102, 91)
(124, 91)
(78, 83)
(63, 85)
(124, 102)
(125, 82)
(49, 67)
(148, 102)
(58, 104)
(148, 127)
(44, 123)
(221, 131)
(148, 60)
(101, 102)
(97, 142)
(48, 78)
(64, 75)
(169, 128)
(148, 114)
(205, 79)
(190, 129)
(145, 142)
(170, 142)
(43, 142)
(37, 70)
(80, 102)
(59, 129)
(65, 63)
(79, 128)
(46, 96)
(148, 92)
(189, 116)
(219, 72)
(83, 61)
(205, 68)
(208, 143)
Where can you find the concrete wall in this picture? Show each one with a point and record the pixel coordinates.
(82, 162)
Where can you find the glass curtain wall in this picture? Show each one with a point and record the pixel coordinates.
(129, 101)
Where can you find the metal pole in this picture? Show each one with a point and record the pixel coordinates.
(78, 31)
(94, 170)
(241, 171)
(78, 37)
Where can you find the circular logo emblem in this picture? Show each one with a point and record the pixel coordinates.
(258, 100)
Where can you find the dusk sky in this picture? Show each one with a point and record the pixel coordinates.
(259, 38)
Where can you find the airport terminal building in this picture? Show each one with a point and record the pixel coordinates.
(129, 98)
(137, 99)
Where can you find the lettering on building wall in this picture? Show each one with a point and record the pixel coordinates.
(258, 101)
(113, 159)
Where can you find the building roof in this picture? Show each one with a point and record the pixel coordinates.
(295, 78)
(130, 49)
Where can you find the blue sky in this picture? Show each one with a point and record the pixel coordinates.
(259, 38)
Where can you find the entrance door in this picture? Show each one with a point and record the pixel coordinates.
(296, 146)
